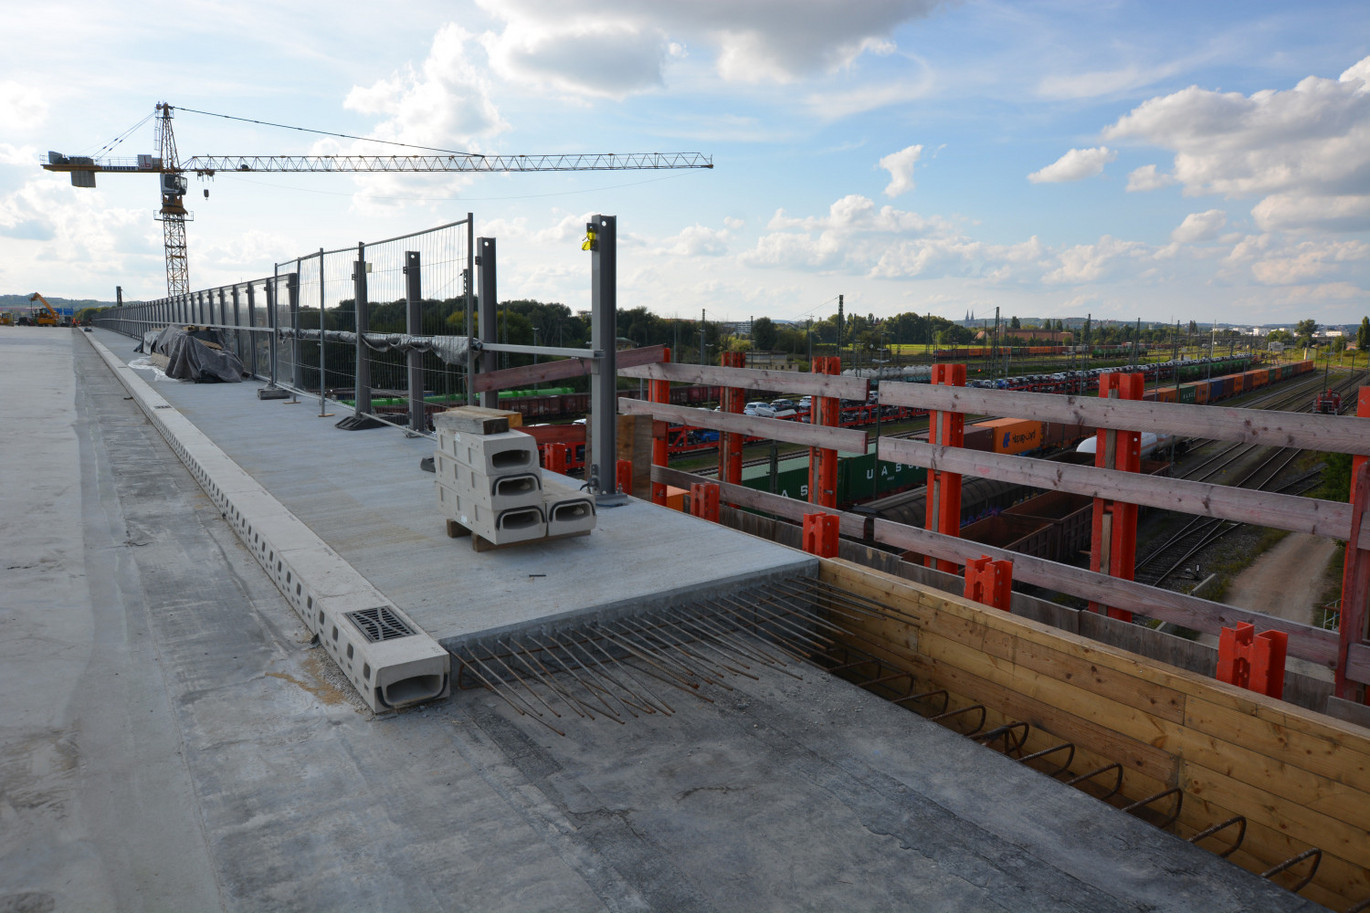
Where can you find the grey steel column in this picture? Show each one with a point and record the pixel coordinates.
(271, 324)
(237, 334)
(361, 310)
(603, 243)
(252, 328)
(413, 325)
(488, 320)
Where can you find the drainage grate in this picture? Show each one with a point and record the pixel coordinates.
(380, 624)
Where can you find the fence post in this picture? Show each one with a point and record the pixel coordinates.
(659, 391)
(487, 317)
(252, 328)
(945, 429)
(1354, 624)
(827, 411)
(1113, 542)
(413, 325)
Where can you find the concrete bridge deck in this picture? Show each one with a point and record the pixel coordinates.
(169, 739)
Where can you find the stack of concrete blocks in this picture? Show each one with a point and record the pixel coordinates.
(489, 483)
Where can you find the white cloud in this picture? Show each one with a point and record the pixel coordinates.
(1199, 226)
(1147, 178)
(22, 108)
(1310, 262)
(699, 241)
(900, 166)
(1075, 165)
(446, 103)
(616, 47)
(1305, 150)
(1095, 262)
(18, 155)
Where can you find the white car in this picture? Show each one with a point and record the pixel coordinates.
(761, 410)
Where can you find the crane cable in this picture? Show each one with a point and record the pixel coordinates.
(109, 146)
(367, 139)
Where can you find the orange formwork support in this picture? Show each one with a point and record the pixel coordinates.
(623, 476)
(826, 410)
(990, 582)
(820, 534)
(659, 391)
(554, 457)
(1113, 543)
(729, 442)
(704, 500)
(1253, 661)
(1354, 625)
(946, 429)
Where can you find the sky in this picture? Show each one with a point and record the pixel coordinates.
(1148, 160)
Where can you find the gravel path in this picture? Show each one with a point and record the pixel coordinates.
(1287, 580)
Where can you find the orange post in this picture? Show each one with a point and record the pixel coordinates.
(554, 457)
(820, 534)
(623, 475)
(1113, 544)
(990, 582)
(946, 429)
(729, 442)
(825, 410)
(659, 391)
(1354, 625)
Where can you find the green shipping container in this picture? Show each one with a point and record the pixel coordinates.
(859, 478)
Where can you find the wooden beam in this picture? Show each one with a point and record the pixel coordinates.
(1332, 433)
(1291, 512)
(852, 388)
(852, 525)
(564, 369)
(1307, 642)
(849, 440)
(1358, 663)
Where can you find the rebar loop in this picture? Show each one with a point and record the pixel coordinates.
(1313, 853)
(1087, 777)
(1174, 815)
(1068, 747)
(1207, 832)
(1013, 735)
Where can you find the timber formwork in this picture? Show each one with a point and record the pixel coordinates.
(1269, 785)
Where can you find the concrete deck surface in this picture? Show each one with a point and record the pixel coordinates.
(364, 494)
(168, 740)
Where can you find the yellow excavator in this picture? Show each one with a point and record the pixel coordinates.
(49, 319)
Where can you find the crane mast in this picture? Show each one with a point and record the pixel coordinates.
(174, 185)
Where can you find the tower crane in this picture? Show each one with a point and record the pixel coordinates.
(174, 184)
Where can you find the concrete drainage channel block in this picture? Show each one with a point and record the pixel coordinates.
(388, 658)
(488, 483)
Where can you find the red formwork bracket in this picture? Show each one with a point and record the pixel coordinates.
(734, 399)
(827, 411)
(659, 391)
(820, 534)
(1253, 661)
(554, 457)
(990, 582)
(1354, 626)
(704, 500)
(623, 475)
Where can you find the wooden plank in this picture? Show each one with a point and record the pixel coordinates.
(1336, 433)
(850, 440)
(1305, 641)
(802, 382)
(1279, 776)
(1358, 663)
(1263, 508)
(1339, 760)
(852, 525)
(1316, 829)
(562, 369)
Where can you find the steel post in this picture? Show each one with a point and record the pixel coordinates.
(413, 325)
(603, 244)
(487, 321)
(361, 394)
(252, 329)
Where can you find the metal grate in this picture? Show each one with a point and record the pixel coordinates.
(380, 624)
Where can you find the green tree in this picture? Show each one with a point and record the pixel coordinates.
(764, 334)
(1304, 331)
(1014, 323)
(1363, 334)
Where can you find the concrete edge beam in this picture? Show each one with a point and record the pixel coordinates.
(388, 673)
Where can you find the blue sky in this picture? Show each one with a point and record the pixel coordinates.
(1150, 160)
